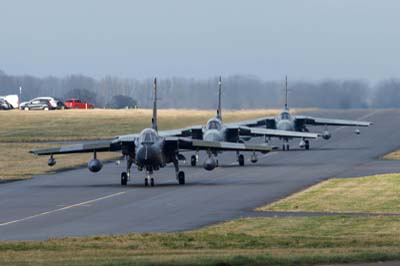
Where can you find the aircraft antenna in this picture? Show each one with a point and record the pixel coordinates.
(154, 119)
(286, 94)
(219, 113)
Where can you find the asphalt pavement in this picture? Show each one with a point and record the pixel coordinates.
(80, 203)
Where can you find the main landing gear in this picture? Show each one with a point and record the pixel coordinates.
(180, 175)
(194, 159)
(126, 176)
(240, 158)
(307, 144)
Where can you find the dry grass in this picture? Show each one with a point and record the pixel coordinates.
(16, 162)
(19, 129)
(255, 241)
(371, 194)
(30, 126)
(392, 156)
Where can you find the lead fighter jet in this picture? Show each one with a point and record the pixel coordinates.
(285, 121)
(150, 150)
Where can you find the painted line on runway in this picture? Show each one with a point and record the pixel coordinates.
(64, 208)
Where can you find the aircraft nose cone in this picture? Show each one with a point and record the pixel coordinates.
(213, 135)
(284, 125)
(147, 155)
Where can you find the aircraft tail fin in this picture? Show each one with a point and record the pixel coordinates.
(286, 94)
(219, 113)
(154, 118)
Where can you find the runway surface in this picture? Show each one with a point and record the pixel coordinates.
(80, 203)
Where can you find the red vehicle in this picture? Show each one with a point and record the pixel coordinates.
(77, 104)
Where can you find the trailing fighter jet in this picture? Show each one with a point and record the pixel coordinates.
(215, 130)
(285, 121)
(150, 150)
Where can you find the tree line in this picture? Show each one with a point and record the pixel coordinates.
(239, 92)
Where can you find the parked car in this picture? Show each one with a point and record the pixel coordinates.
(54, 103)
(4, 105)
(38, 104)
(12, 100)
(78, 104)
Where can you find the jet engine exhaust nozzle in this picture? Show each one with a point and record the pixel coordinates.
(95, 165)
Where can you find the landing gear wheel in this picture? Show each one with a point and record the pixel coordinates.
(152, 182)
(181, 178)
(124, 179)
(285, 146)
(146, 182)
(193, 160)
(241, 159)
(307, 146)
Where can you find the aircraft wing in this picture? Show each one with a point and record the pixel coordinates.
(269, 121)
(257, 131)
(194, 144)
(101, 145)
(183, 132)
(317, 121)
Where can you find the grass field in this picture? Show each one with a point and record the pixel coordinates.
(256, 241)
(17, 163)
(22, 131)
(371, 194)
(33, 126)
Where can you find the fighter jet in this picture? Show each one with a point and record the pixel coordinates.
(150, 150)
(285, 121)
(215, 130)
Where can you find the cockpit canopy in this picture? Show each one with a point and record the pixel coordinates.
(285, 115)
(214, 124)
(148, 136)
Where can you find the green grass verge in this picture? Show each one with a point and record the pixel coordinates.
(371, 194)
(255, 241)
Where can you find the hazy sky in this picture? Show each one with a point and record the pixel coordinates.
(311, 39)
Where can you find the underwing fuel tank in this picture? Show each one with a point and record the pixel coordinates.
(95, 165)
(326, 135)
(210, 164)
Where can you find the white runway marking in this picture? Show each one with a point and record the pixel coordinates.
(85, 203)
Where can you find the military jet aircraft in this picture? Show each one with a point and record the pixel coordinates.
(215, 130)
(150, 150)
(285, 121)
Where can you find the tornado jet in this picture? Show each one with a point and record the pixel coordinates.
(298, 123)
(216, 130)
(149, 150)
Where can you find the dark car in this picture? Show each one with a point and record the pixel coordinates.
(4, 105)
(38, 104)
(61, 105)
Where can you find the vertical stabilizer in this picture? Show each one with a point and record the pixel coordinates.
(154, 118)
(219, 113)
(286, 94)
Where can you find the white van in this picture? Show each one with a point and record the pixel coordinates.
(12, 99)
